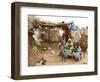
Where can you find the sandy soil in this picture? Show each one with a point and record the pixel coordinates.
(54, 59)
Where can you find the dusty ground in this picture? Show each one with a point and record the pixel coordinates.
(54, 59)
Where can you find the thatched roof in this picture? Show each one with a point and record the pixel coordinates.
(54, 25)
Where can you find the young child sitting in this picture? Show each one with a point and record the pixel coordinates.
(76, 51)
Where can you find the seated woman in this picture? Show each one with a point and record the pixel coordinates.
(68, 48)
(76, 51)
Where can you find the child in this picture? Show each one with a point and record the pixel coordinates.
(76, 51)
(62, 53)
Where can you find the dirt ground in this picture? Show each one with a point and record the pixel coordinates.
(54, 59)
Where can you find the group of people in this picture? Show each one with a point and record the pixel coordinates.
(69, 49)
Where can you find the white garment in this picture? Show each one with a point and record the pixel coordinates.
(61, 32)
